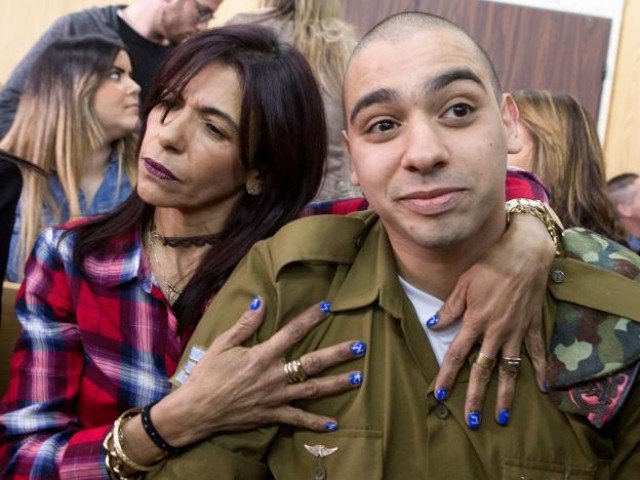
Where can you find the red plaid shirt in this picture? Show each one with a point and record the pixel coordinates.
(93, 347)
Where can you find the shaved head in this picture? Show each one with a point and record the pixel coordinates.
(402, 25)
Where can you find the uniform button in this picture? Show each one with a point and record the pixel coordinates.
(557, 276)
(359, 241)
(441, 412)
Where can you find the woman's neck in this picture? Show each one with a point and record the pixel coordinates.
(174, 266)
(171, 222)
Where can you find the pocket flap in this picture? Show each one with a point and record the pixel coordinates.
(344, 454)
(533, 470)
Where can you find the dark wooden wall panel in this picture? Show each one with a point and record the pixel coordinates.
(531, 48)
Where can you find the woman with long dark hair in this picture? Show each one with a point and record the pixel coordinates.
(232, 148)
(233, 145)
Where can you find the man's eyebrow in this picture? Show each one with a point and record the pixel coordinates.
(206, 110)
(446, 79)
(382, 95)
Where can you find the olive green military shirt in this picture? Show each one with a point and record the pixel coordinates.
(392, 427)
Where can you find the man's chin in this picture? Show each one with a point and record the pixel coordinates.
(442, 241)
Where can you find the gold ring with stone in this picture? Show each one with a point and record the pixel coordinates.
(485, 361)
(511, 364)
(294, 371)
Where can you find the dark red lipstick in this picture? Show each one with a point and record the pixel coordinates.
(157, 170)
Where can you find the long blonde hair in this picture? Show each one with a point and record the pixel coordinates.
(568, 157)
(56, 129)
(321, 35)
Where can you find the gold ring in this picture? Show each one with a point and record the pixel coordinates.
(511, 364)
(294, 371)
(485, 361)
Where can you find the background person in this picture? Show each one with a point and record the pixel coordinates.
(317, 29)
(76, 120)
(149, 29)
(624, 191)
(113, 301)
(11, 181)
(561, 146)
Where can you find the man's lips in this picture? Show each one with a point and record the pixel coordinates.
(432, 202)
(157, 170)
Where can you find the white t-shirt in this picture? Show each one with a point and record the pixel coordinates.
(426, 307)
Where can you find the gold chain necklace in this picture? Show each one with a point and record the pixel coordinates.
(170, 289)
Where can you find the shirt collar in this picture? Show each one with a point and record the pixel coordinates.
(124, 262)
(372, 276)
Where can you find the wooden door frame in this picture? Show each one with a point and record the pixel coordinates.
(610, 9)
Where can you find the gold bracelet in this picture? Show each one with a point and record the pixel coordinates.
(543, 212)
(118, 463)
(115, 467)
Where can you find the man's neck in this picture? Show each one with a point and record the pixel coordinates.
(143, 16)
(436, 271)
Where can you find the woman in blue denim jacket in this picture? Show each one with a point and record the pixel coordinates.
(77, 120)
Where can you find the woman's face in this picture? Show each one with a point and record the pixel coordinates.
(190, 159)
(524, 158)
(117, 100)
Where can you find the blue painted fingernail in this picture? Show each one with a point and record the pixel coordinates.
(544, 386)
(442, 394)
(503, 417)
(325, 307)
(474, 419)
(355, 378)
(255, 303)
(433, 321)
(331, 426)
(358, 348)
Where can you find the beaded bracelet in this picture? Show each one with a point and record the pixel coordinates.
(155, 436)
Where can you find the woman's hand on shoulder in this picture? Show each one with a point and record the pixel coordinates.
(499, 301)
(236, 388)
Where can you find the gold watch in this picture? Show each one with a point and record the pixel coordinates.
(539, 210)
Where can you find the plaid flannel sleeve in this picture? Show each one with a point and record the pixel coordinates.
(40, 435)
(519, 184)
(524, 184)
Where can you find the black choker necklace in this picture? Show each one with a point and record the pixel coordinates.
(176, 242)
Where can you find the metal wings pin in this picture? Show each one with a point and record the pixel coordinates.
(320, 451)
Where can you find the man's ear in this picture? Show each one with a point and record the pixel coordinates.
(624, 210)
(347, 148)
(510, 117)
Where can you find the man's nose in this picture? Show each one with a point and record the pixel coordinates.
(425, 148)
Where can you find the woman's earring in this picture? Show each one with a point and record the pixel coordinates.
(253, 185)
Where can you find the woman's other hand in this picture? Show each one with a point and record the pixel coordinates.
(235, 388)
(499, 301)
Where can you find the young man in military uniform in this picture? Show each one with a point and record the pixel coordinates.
(428, 133)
